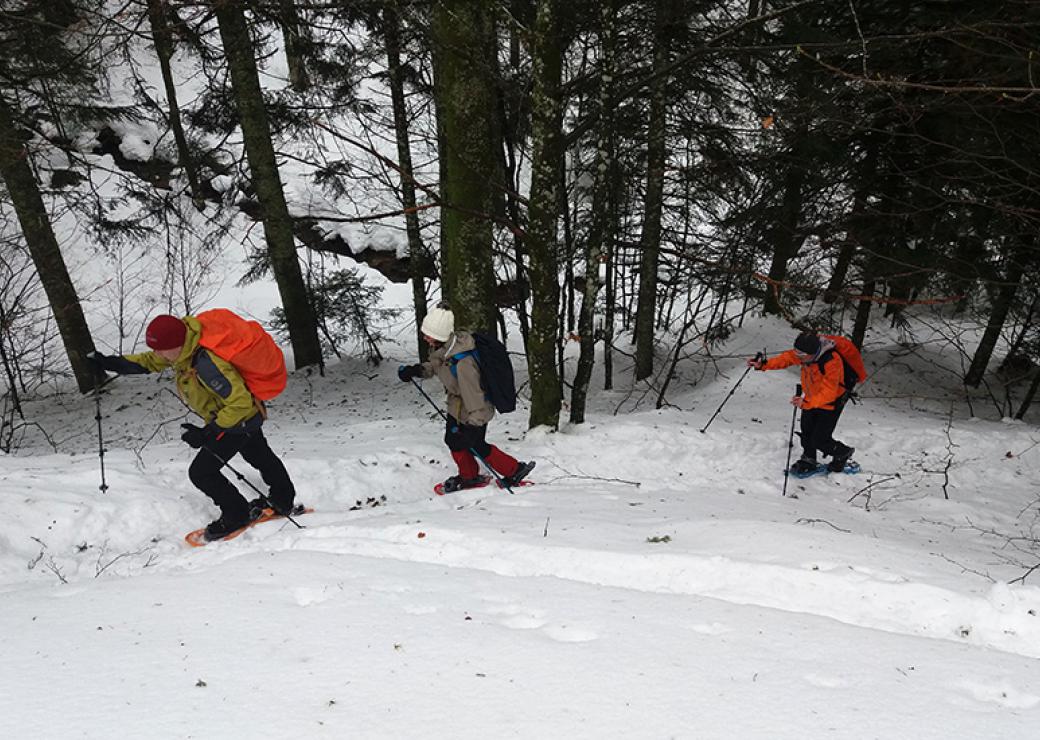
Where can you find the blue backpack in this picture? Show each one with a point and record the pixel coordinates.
(496, 371)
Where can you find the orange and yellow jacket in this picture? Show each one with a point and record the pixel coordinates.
(821, 387)
(209, 384)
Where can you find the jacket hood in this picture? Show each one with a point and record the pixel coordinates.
(826, 345)
(461, 341)
(191, 341)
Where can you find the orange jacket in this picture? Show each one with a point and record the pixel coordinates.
(819, 389)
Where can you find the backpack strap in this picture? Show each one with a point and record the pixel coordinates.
(454, 360)
(847, 371)
(824, 359)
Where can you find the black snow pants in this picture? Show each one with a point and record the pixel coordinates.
(205, 473)
(818, 432)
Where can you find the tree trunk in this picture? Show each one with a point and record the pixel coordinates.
(463, 36)
(256, 133)
(25, 196)
(1001, 307)
(754, 34)
(514, 117)
(295, 45)
(847, 252)
(841, 269)
(610, 293)
(859, 328)
(164, 51)
(416, 251)
(1028, 400)
(599, 224)
(787, 240)
(543, 211)
(853, 226)
(650, 240)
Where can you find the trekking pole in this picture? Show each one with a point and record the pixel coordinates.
(100, 434)
(501, 481)
(245, 480)
(758, 357)
(790, 440)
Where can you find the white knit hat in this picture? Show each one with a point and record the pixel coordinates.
(439, 324)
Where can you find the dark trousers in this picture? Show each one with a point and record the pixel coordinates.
(463, 440)
(205, 473)
(818, 430)
(464, 437)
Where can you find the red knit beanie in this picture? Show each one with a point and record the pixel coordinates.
(165, 332)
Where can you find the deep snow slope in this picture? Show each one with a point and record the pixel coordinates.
(653, 583)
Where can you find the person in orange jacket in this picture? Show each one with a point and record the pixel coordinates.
(824, 394)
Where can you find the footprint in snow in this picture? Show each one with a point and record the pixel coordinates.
(523, 622)
(517, 616)
(1002, 695)
(825, 682)
(310, 595)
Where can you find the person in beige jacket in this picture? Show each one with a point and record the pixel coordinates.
(469, 409)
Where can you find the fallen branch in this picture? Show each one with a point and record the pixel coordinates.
(803, 520)
(1022, 578)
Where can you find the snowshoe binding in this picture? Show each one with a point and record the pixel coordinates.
(221, 527)
(458, 483)
(517, 478)
(260, 506)
(850, 467)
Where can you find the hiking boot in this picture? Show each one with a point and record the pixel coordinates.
(458, 483)
(220, 528)
(804, 466)
(840, 458)
(521, 472)
(257, 506)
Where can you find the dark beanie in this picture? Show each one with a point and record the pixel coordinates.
(165, 332)
(807, 343)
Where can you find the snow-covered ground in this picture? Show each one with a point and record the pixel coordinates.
(653, 583)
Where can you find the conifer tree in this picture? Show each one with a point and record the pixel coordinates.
(278, 227)
(547, 151)
(464, 45)
(42, 69)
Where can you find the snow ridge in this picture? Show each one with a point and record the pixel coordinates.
(1004, 618)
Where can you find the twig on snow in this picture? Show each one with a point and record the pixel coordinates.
(1022, 578)
(804, 520)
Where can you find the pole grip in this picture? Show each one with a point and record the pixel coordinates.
(798, 389)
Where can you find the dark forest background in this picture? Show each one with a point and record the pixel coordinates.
(633, 177)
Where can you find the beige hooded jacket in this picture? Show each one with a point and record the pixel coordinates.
(467, 401)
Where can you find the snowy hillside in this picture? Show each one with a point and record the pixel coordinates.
(653, 583)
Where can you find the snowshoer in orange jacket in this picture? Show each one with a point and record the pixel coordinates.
(213, 388)
(825, 391)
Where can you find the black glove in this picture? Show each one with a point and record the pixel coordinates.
(195, 436)
(757, 362)
(408, 372)
(98, 360)
(114, 364)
